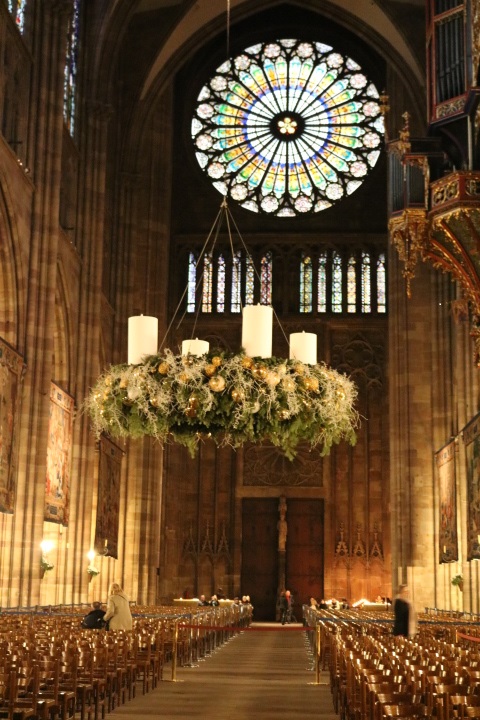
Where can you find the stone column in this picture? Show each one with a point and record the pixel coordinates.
(44, 161)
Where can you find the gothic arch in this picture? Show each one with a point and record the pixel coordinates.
(63, 334)
(10, 302)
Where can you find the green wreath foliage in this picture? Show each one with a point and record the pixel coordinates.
(233, 399)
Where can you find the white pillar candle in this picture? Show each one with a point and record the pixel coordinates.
(195, 347)
(257, 324)
(303, 347)
(142, 337)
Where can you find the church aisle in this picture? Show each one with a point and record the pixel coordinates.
(262, 673)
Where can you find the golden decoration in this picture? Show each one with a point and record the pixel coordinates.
(259, 371)
(217, 383)
(210, 370)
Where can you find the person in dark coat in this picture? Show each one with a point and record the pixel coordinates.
(94, 619)
(405, 622)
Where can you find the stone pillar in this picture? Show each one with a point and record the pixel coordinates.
(90, 234)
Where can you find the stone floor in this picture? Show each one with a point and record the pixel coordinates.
(264, 673)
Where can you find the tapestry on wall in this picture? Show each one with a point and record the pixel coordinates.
(447, 536)
(108, 508)
(12, 370)
(59, 456)
(471, 439)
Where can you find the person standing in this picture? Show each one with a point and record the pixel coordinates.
(118, 613)
(405, 622)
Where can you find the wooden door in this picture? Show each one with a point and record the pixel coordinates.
(304, 551)
(260, 555)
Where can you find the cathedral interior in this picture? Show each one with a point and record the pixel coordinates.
(112, 173)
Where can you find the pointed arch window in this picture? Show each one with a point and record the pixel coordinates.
(381, 284)
(266, 279)
(221, 276)
(366, 283)
(249, 281)
(306, 283)
(352, 284)
(71, 69)
(236, 299)
(18, 9)
(337, 281)
(207, 283)
(322, 283)
(191, 282)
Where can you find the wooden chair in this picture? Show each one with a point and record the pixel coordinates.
(405, 711)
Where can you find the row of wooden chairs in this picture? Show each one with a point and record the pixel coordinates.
(52, 669)
(375, 676)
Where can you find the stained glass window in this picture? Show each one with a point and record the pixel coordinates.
(266, 279)
(192, 282)
(207, 283)
(71, 67)
(341, 281)
(237, 282)
(249, 282)
(351, 285)
(288, 127)
(366, 283)
(381, 284)
(221, 284)
(322, 283)
(337, 295)
(17, 9)
(306, 282)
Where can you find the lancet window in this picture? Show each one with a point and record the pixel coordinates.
(329, 281)
(71, 69)
(17, 10)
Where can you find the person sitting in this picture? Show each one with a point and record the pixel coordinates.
(313, 603)
(94, 619)
(203, 600)
(214, 601)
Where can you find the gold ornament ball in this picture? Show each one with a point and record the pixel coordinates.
(123, 383)
(193, 402)
(188, 360)
(237, 395)
(216, 361)
(217, 384)
(310, 383)
(155, 401)
(210, 370)
(183, 377)
(247, 363)
(283, 415)
(163, 368)
(299, 369)
(259, 371)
